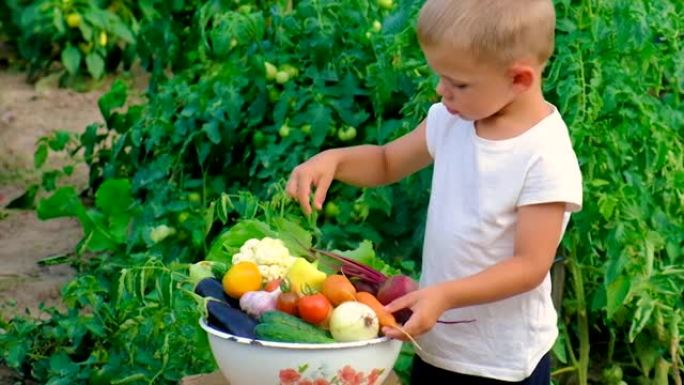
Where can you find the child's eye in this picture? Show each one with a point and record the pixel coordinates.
(453, 84)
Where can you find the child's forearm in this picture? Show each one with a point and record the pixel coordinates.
(369, 165)
(361, 166)
(537, 235)
(513, 276)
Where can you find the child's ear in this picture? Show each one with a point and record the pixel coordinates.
(522, 77)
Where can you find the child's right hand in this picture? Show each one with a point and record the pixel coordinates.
(318, 171)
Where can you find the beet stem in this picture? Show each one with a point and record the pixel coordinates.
(455, 322)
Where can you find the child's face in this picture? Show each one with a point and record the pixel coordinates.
(470, 89)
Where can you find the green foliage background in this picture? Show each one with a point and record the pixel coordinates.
(214, 124)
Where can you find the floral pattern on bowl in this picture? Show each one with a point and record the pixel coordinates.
(345, 376)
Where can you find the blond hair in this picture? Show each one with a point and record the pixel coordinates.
(501, 31)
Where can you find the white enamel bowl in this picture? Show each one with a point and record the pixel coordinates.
(244, 361)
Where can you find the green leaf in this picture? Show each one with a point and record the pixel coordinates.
(645, 307)
(95, 65)
(223, 207)
(114, 98)
(227, 244)
(295, 238)
(114, 196)
(321, 121)
(16, 352)
(61, 365)
(213, 132)
(40, 156)
(86, 31)
(365, 254)
(63, 203)
(25, 200)
(122, 31)
(71, 58)
(616, 293)
(58, 140)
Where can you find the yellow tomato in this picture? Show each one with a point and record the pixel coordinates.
(73, 20)
(241, 278)
(103, 38)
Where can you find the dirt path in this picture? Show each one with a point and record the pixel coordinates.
(28, 112)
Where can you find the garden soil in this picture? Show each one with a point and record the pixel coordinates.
(28, 112)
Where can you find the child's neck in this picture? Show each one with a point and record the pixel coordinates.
(518, 116)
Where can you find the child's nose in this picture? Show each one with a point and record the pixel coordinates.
(442, 89)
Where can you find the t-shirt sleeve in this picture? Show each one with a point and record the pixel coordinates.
(436, 123)
(554, 176)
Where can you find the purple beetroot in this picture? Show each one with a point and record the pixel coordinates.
(393, 288)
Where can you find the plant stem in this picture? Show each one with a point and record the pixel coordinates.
(582, 322)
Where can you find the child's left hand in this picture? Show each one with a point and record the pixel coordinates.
(427, 305)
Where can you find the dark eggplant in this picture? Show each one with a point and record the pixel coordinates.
(230, 320)
(212, 287)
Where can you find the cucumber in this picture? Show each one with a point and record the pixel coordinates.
(282, 332)
(279, 317)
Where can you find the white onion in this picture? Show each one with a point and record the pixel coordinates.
(353, 321)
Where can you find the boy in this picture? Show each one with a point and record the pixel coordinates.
(505, 181)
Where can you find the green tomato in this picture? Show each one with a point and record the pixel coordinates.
(377, 26)
(347, 134)
(290, 69)
(259, 139)
(306, 129)
(100, 376)
(612, 375)
(361, 210)
(386, 4)
(331, 210)
(282, 77)
(183, 216)
(245, 9)
(273, 95)
(161, 232)
(271, 70)
(194, 197)
(284, 131)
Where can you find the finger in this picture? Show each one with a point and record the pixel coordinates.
(322, 190)
(393, 333)
(291, 186)
(400, 303)
(414, 326)
(304, 194)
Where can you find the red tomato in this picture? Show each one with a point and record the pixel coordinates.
(314, 308)
(287, 303)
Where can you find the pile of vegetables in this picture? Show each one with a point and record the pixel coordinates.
(269, 294)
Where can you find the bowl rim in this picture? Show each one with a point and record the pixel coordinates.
(291, 345)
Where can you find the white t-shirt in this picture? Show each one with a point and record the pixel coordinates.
(477, 186)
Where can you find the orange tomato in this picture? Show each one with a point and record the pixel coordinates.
(241, 278)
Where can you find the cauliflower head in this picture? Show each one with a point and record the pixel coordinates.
(269, 254)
